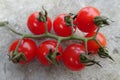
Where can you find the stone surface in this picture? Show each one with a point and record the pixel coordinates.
(17, 12)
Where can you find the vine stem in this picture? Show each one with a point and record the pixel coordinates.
(57, 46)
(18, 33)
(98, 43)
(85, 45)
(91, 38)
(94, 38)
(96, 33)
(2, 24)
(17, 47)
(58, 38)
(46, 35)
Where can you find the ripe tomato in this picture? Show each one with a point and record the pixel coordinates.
(37, 27)
(92, 45)
(27, 47)
(60, 27)
(85, 19)
(44, 49)
(71, 57)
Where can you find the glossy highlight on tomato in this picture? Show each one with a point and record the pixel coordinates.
(60, 27)
(27, 47)
(43, 51)
(85, 19)
(37, 27)
(71, 57)
(92, 45)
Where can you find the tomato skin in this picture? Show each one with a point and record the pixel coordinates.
(60, 26)
(85, 19)
(92, 45)
(43, 51)
(27, 47)
(37, 27)
(71, 57)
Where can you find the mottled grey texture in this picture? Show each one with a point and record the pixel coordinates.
(17, 12)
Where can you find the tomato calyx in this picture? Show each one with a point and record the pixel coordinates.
(52, 58)
(42, 16)
(69, 19)
(101, 21)
(103, 53)
(88, 62)
(16, 57)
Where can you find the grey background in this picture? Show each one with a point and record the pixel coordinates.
(17, 12)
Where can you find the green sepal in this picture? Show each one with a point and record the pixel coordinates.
(42, 15)
(101, 21)
(51, 58)
(103, 53)
(68, 20)
(16, 57)
(88, 62)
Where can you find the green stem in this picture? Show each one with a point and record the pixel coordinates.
(17, 47)
(96, 33)
(98, 43)
(74, 37)
(20, 34)
(47, 34)
(59, 38)
(94, 38)
(85, 45)
(58, 43)
(57, 46)
(2, 24)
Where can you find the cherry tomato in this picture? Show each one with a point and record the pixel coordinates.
(37, 27)
(85, 19)
(44, 49)
(71, 57)
(60, 27)
(92, 45)
(27, 47)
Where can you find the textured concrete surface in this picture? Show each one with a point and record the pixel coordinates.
(17, 12)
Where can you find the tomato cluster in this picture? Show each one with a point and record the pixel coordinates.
(75, 56)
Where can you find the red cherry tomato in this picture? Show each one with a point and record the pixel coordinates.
(43, 51)
(60, 27)
(92, 45)
(71, 57)
(27, 47)
(37, 27)
(85, 19)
